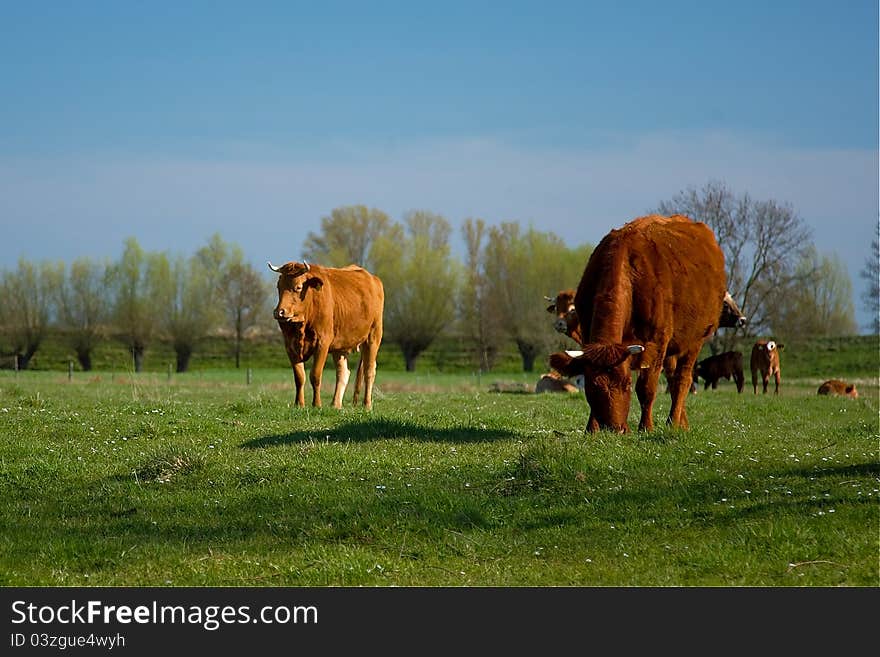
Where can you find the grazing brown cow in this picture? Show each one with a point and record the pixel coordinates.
(765, 359)
(650, 295)
(726, 365)
(838, 387)
(325, 310)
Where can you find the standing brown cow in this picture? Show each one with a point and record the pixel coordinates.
(325, 310)
(650, 295)
(765, 359)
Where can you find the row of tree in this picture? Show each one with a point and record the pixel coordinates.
(491, 297)
(136, 298)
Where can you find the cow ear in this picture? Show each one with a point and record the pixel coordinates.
(551, 308)
(315, 282)
(780, 346)
(609, 355)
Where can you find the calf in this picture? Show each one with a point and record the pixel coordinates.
(765, 359)
(726, 365)
(838, 387)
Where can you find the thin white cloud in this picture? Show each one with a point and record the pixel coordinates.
(63, 208)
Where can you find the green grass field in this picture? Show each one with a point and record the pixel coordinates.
(201, 479)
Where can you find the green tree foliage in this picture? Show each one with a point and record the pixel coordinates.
(27, 303)
(347, 237)
(763, 243)
(83, 307)
(478, 324)
(141, 285)
(521, 269)
(245, 299)
(195, 306)
(871, 295)
(420, 279)
(820, 302)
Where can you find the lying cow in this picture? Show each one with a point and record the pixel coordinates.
(649, 297)
(553, 382)
(838, 387)
(765, 359)
(726, 365)
(325, 310)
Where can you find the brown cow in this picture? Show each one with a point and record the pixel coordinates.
(765, 359)
(325, 310)
(650, 295)
(726, 365)
(838, 387)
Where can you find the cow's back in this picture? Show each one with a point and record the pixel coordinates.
(654, 275)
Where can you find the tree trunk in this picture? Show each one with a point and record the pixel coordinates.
(237, 350)
(528, 352)
(84, 356)
(184, 352)
(137, 353)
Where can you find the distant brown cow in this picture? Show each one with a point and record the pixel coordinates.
(765, 359)
(838, 387)
(325, 310)
(726, 365)
(650, 295)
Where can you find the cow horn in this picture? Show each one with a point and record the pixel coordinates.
(306, 265)
(546, 298)
(273, 268)
(635, 348)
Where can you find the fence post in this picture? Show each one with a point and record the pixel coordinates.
(70, 370)
(249, 376)
(169, 372)
(15, 358)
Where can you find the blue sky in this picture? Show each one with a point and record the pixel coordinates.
(172, 121)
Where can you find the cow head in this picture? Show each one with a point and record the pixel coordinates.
(296, 286)
(562, 306)
(731, 315)
(607, 380)
(851, 391)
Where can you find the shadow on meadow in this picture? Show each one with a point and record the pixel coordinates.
(382, 429)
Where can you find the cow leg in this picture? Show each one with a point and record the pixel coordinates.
(316, 374)
(740, 381)
(342, 374)
(777, 378)
(755, 381)
(679, 388)
(358, 380)
(646, 391)
(765, 377)
(299, 381)
(367, 371)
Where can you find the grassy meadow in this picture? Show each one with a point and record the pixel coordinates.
(205, 479)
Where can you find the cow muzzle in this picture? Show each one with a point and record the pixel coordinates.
(282, 316)
(742, 321)
(560, 325)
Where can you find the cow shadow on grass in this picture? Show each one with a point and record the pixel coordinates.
(383, 429)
